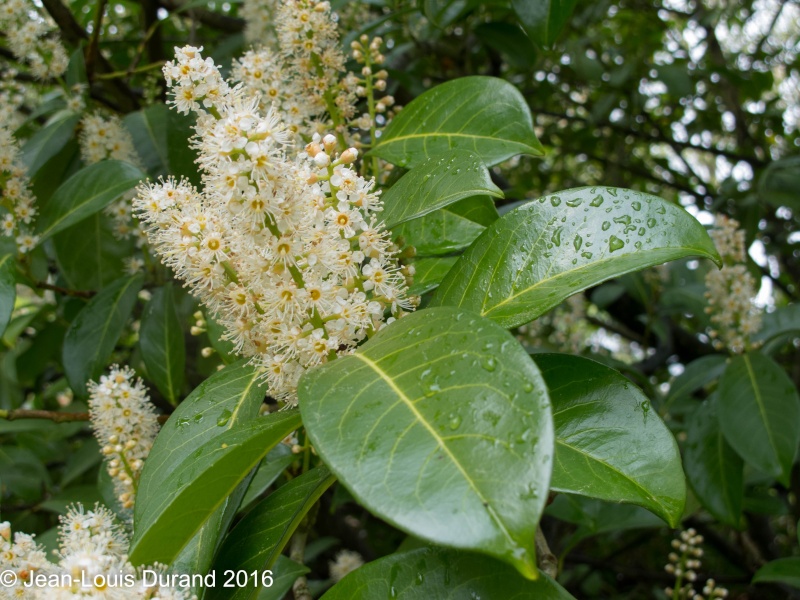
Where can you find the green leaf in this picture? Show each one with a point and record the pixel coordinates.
(159, 135)
(759, 413)
(429, 272)
(439, 181)
(543, 19)
(485, 115)
(510, 41)
(714, 470)
(76, 70)
(443, 12)
(199, 485)
(225, 348)
(88, 255)
(8, 289)
(47, 142)
(697, 374)
(779, 183)
(427, 573)
(228, 398)
(610, 444)
(440, 232)
(537, 255)
(88, 191)
(258, 539)
(434, 407)
(284, 574)
(94, 332)
(162, 345)
(268, 471)
(784, 321)
(783, 570)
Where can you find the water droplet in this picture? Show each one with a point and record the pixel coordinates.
(489, 363)
(642, 231)
(182, 423)
(556, 237)
(454, 422)
(651, 223)
(527, 386)
(224, 417)
(636, 205)
(431, 389)
(605, 225)
(598, 200)
(574, 202)
(424, 179)
(577, 242)
(586, 255)
(614, 244)
(555, 200)
(623, 220)
(612, 191)
(198, 417)
(661, 210)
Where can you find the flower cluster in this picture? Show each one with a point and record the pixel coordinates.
(346, 561)
(30, 38)
(106, 138)
(125, 424)
(288, 255)
(92, 563)
(13, 96)
(683, 563)
(730, 291)
(15, 195)
(302, 78)
(564, 327)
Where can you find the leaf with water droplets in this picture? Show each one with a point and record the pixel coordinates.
(419, 421)
(609, 443)
(441, 574)
(233, 392)
(439, 181)
(485, 115)
(515, 271)
(429, 272)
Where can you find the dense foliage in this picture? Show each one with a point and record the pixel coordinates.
(407, 299)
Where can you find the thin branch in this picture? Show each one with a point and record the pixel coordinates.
(43, 285)
(93, 50)
(52, 415)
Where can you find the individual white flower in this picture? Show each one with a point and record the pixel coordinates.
(346, 562)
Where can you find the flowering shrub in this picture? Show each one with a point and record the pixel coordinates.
(295, 303)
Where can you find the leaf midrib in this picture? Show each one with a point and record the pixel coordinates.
(410, 405)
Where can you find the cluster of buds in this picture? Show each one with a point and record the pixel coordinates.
(15, 195)
(125, 423)
(684, 561)
(730, 291)
(373, 78)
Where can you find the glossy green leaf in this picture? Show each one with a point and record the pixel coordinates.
(47, 142)
(94, 332)
(759, 413)
(419, 421)
(76, 70)
(159, 135)
(783, 570)
(510, 41)
(429, 272)
(443, 12)
(484, 115)
(88, 255)
(784, 321)
(8, 289)
(427, 573)
(284, 573)
(697, 374)
(225, 348)
(258, 539)
(200, 484)
(231, 397)
(537, 255)
(162, 345)
(610, 444)
(275, 463)
(440, 232)
(439, 181)
(543, 19)
(713, 469)
(88, 191)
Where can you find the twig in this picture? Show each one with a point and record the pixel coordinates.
(43, 285)
(297, 550)
(93, 50)
(545, 559)
(54, 416)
